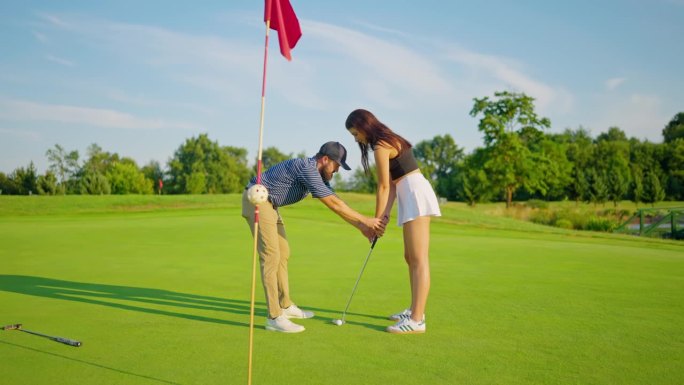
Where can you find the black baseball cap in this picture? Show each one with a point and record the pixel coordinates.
(336, 152)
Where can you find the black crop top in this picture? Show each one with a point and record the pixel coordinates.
(403, 164)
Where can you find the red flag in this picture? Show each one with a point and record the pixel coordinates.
(283, 20)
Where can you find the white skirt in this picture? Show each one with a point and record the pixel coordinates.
(415, 198)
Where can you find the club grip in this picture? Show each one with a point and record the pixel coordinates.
(67, 341)
(374, 240)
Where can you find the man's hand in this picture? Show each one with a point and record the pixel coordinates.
(367, 232)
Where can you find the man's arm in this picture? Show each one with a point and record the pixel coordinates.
(364, 224)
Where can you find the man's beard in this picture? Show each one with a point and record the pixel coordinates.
(325, 178)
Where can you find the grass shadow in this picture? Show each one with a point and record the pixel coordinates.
(91, 363)
(137, 297)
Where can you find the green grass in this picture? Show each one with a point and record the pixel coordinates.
(157, 288)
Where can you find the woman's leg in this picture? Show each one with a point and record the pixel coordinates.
(416, 253)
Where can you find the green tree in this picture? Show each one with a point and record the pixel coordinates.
(64, 165)
(475, 186)
(508, 166)
(509, 125)
(618, 180)
(339, 184)
(271, 156)
(675, 169)
(202, 166)
(611, 155)
(438, 159)
(8, 185)
(579, 186)
(578, 150)
(508, 112)
(25, 180)
(556, 175)
(93, 174)
(638, 184)
(360, 182)
(93, 183)
(125, 178)
(99, 161)
(614, 134)
(674, 129)
(653, 189)
(598, 186)
(647, 157)
(47, 184)
(153, 172)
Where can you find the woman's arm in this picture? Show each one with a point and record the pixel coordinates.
(390, 201)
(384, 197)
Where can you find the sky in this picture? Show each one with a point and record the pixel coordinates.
(139, 78)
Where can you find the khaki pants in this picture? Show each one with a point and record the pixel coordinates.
(274, 253)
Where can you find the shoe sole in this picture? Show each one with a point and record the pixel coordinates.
(296, 317)
(403, 332)
(271, 328)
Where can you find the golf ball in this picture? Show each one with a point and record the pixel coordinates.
(257, 194)
(337, 322)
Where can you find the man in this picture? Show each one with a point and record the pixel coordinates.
(289, 182)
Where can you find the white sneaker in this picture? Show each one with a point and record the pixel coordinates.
(400, 316)
(284, 325)
(407, 326)
(294, 312)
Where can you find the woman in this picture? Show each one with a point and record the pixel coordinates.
(399, 177)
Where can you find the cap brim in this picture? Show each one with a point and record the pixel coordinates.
(345, 166)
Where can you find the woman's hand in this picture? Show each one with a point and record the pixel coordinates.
(385, 219)
(379, 226)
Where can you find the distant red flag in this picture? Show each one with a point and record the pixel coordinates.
(283, 20)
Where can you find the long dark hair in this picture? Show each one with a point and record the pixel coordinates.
(375, 131)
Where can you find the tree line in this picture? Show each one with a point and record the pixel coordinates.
(198, 166)
(518, 161)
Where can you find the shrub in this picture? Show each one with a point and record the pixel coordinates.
(537, 204)
(600, 224)
(544, 217)
(577, 218)
(564, 224)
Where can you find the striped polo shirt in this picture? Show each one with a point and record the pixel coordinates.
(291, 181)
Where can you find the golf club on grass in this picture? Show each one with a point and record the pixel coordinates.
(340, 322)
(65, 341)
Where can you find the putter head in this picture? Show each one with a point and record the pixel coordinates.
(12, 327)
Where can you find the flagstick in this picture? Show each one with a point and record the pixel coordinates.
(256, 209)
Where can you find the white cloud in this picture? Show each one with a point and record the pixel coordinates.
(504, 71)
(614, 83)
(395, 64)
(54, 20)
(208, 62)
(58, 60)
(19, 110)
(40, 37)
(381, 29)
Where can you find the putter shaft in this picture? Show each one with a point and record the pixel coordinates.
(344, 314)
(62, 340)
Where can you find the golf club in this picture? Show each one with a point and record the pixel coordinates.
(340, 322)
(65, 341)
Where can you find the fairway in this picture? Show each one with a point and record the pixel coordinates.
(158, 289)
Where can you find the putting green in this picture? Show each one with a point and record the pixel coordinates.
(158, 288)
